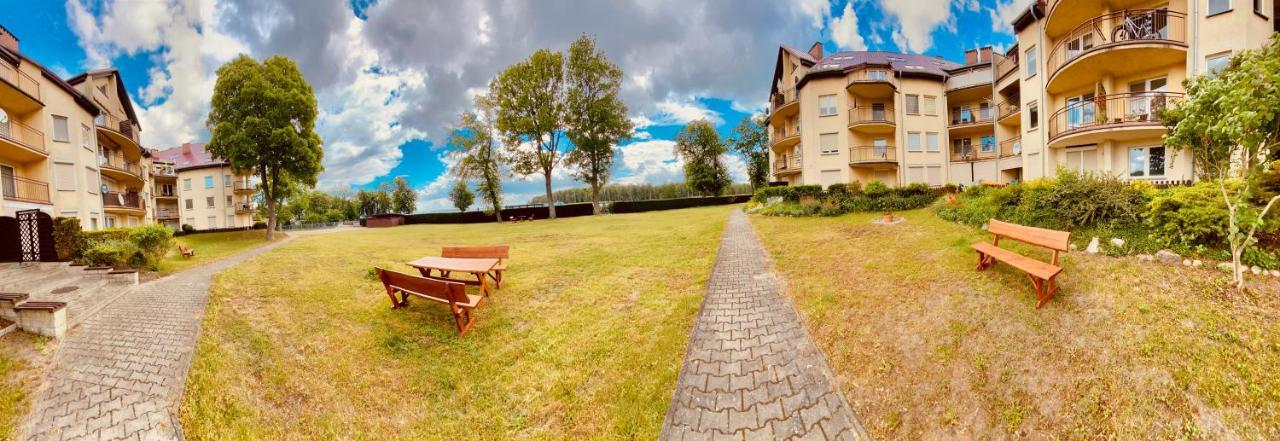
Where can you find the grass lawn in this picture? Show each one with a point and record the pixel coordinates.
(584, 340)
(212, 246)
(928, 348)
(21, 358)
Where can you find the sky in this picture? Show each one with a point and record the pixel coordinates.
(392, 76)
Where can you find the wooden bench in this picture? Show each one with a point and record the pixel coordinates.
(500, 252)
(186, 252)
(1042, 274)
(441, 291)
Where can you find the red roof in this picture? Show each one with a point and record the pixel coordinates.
(189, 155)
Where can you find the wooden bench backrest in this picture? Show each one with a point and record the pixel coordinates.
(491, 252)
(183, 247)
(1041, 237)
(441, 290)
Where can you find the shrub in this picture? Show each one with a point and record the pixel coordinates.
(763, 194)
(1194, 215)
(875, 189)
(68, 238)
(831, 206)
(810, 191)
(1085, 199)
(114, 253)
(838, 190)
(258, 225)
(187, 228)
(915, 189)
(153, 241)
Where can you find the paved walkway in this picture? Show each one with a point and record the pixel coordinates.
(751, 370)
(119, 375)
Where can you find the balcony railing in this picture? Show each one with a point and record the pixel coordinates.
(26, 83)
(163, 172)
(131, 200)
(973, 152)
(783, 97)
(1011, 147)
(117, 162)
(970, 78)
(978, 116)
(787, 163)
(871, 114)
(872, 153)
(245, 208)
(166, 213)
(23, 134)
(23, 189)
(112, 122)
(1005, 109)
(784, 134)
(1114, 110)
(1130, 26)
(870, 75)
(1005, 66)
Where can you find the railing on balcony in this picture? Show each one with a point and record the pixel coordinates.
(26, 83)
(871, 114)
(783, 97)
(787, 163)
(1011, 147)
(23, 189)
(23, 134)
(1117, 109)
(163, 172)
(1005, 66)
(1124, 27)
(112, 122)
(870, 75)
(779, 135)
(245, 208)
(1005, 109)
(970, 78)
(131, 200)
(166, 213)
(973, 152)
(975, 115)
(872, 153)
(117, 162)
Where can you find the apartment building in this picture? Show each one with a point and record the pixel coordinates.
(197, 189)
(48, 142)
(124, 165)
(1080, 90)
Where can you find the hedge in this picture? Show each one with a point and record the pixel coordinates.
(219, 230)
(476, 217)
(671, 204)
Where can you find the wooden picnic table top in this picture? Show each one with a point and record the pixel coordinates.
(462, 265)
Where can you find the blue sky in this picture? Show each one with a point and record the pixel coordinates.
(392, 75)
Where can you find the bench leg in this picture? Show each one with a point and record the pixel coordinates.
(403, 301)
(497, 278)
(984, 261)
(464, 320)
(1049, 288)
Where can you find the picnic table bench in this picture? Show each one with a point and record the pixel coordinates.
(186, 252)
(441, 291)
(500, 252)
(446, 266)
(1042, 274)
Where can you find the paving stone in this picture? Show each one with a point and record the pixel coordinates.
(769, 379)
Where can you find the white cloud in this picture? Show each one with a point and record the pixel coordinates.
(653, 161)
(1005, 12)
(816, 11)
(916, 21)
(844, 30)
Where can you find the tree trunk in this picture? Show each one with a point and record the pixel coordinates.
(268, 194)
(595, 198)
(497, 209)
(551, 203)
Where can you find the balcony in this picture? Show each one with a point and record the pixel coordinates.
(245, 187)
(165, 213)
(1119, 44)
(117, 167)
(972, 153)
(872, 119)
(1011, 147)
(21, 142)
(163, 172)
(872, 154)
(118, 129)
(971, 121)
(1005, 66)
(166, 194)
(245, 208)
(784, 103)
(18, 90)
(872, 82)
(1119, 116)
(17, 188)
(1059, 20)
(129, 202)
(783, 138)
(1008, 113)
(786, 165)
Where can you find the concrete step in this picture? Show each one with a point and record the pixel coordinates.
(37, 281)
(44, 318)
(6, 327)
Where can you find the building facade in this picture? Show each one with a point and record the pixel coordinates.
(124, 165)
(198, 190)
(1080, 90)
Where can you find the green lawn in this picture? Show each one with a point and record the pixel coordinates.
(212, 246)
(928, 348)
(584, 340)
(21, 355)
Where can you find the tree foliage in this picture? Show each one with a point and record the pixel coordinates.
(478, 152)
(530, 100)
(633, 192)
(403, 199)
(751, 140)
(703, 153)
(595, 116)
(262, 119)
(461, 196)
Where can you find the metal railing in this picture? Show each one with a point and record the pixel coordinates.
(976, 115)
(166, 213)
(1005, 66)
(1005, 109)
(117, 162)
(1129, 26)
(973, 77)
(782, 134)
(114, 199)
(973, 152)
(112, 122)
(871, 114)
(245, 208)
(26, 83)
(23, 134)
(787, 163)
(782, 98)
(870, 75)
(242, 185)
(1117, 109)
(24, 189)
(872, 153)
(1011, 147)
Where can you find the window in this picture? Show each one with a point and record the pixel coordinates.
(190, 204)
(1216, 62)
(1218, 6)
(827, 105)
(91, 183)
(231, 221)
(985, 112)
(961, 115)
(1259, 8)
(228, 200)
(1143, 106)
(1032, 61)
(915, 173)
(913, 142)
(93, 223)
(881, 148)
(226, 180)
(1033, 115)
(829, 143)
(191, 221)
(877, 75)
(60, 129)
(1082, 160)
(988, 144)
(934, 175)
(1081, 111)
(209, 201)
(64, 175)
(930, 105)
(829, 177)
(913, 104)
(186, 184)
(208, 181)
(86, 137)
(213, 222)
(931, 142)
(1146, 162)
(962, 147)
(1079, 45)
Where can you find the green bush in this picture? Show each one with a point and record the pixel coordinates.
(68, 238)
(763, 194)
(1070, 202)
(811, 191)
(875, 189)
(838, 190)
(114, 253)
(1194, 215)
(187, 228)
(153, 241)
(915, 189)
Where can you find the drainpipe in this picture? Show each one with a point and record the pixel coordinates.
(1044, 99)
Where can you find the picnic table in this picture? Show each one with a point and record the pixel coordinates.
(478, 267)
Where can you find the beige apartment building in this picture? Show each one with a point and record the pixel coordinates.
(124, 165)
(196, 189)
(1079, 90)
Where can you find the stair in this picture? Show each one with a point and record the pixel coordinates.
(50, 298)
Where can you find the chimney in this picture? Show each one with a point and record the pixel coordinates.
(186, 148)
(8, 40)
(815, 51)
(984, 54)
(971, 57)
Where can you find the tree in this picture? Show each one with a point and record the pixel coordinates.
(751, 140)
(703, 153)
(529, 96)
(461, 196)
(596, 118)
(262, 119)
(1230, 122)
(479, 157)
(403, 199)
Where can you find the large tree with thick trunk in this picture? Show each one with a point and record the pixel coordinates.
(595, 115)
(530, 102)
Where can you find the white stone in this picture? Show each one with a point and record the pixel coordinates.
(1255, 270)
(1197, 263)
(1146, 257)
(1093, 246)
(1073, 247)
(1118, 242)
(1186, 262)
(1169, 257)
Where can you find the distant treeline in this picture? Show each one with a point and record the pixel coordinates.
(634, 192)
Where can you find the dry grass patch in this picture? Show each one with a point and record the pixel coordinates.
(584, 340)
(928, 348)
(22, 357)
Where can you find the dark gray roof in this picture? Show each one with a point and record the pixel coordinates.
(904, 64)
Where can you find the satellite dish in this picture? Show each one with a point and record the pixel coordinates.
(4, 118)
